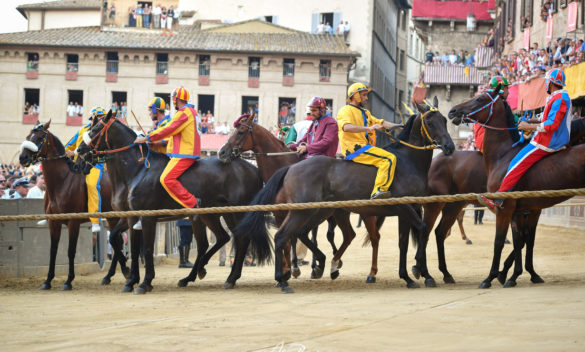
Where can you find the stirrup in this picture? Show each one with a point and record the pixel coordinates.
(95, 227)
(492, 205)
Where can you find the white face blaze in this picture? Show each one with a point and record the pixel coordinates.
(86, 138)
(30, 146)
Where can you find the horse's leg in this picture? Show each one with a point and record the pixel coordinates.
(502, 223)
(450, 213)
(460, 223)
(331, 224)
(135, 239)
(314, 233)
(403, 231)
(516, 225)
(342, 220)
(296, 272)
(55, 231)
(281, 245)
(374, 236)
(430, 214)
(200, 234)
(413, 214)
(148, 235)
(529, 239)
(236, 272)
(117, 243)
(73, 228)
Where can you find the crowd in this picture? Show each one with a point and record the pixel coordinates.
(343, 29)
(209, 125)
(147, 16)
(19, 182)
(31, 109)
(120, 110)
(463, 58)
(522, 65)
(74, 109)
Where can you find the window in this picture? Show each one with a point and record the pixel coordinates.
(72, 62)
(403, 19)
(401, 60)
(205, 103)
(325, 22)
(510, 20)
(288, 67)
(325, 70)
(75, 98)
(271, 19)
(119, 106)
(31, 100)
(253, 67)
(400, 99)
(204, 62)
(287, 109)
(526, 14)
(33, 62)
(249, 105)
(162, 64)
(112, 62)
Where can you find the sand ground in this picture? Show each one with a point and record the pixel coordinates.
(322, 315)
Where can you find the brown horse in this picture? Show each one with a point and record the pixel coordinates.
(249, 136)
(489, 110)
(66, 193)
(343, 180)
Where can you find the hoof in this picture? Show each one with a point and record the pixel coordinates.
(67, 287)
(45, 286)
(536, 279)
(286, 288)
(371, 280)
(430, 282)
(485, 284)
(106, 281)
(448, 279)
(412, 284)
(142, 289)
(127, 288)
(126, 273)
(502, 277)
(201, 274)
(317, 273)
(340, 264)
(468, 241)
(510, 283)
(182, 283)
(296, 272)
(334, 274)
(415, 272)
(229, 286)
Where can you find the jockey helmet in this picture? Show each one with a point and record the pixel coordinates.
(156, 104)
(96, 112)
(498, 80)
(356, 88)
(180, 93)
(556, 76)
(318, 102)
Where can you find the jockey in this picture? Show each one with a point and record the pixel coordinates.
(358, 138)
(184, 147)
(478, 130)
(552, 135)
(156, 110)
(321, 138)
(299, 129)
(92, 180)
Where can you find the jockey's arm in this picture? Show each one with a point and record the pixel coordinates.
(351, 128)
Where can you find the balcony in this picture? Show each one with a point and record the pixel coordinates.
(162, 72)
(484, 57)
(112, 71)
(452, 75)
(288, 81)
(71, 74)
(204, 70)
(32, 74)
(30, 119)
(253, 82)
(74, 120)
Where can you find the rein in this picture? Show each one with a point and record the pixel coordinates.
(485, 124)
(44, 143)
(423, 131)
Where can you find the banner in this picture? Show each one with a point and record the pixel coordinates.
(549, 29)
(513, 97)
(572, 16)
(526, 42)
(532, 94)
(576, 80)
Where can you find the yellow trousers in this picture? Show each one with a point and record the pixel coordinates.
(94, 199)
(380, 158)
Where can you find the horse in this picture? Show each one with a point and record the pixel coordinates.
(333, 180)
(489, 110)
(249, 136)
(215, 183)
(66, 193)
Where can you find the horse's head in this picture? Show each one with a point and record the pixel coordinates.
(433, 127)
(479, 109)
(241, 140)
(105, 134)
(36, 144)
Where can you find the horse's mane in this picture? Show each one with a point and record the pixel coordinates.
(511, 122)
(61, 151)
(404, 134)
(577, 131)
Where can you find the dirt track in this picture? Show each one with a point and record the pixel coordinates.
(323, 315)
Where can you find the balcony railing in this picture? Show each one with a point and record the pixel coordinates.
(204, 70)
(484, 57)
(452, 75)
(288, 69)
(162, 68)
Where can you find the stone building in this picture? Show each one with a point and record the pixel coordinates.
(227, 70)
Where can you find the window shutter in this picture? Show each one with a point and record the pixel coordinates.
(314, 22)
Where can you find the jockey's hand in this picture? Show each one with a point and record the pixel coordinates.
(376, 126)
(69, 153)
(302, 149)
(140, 140)
(525, 126)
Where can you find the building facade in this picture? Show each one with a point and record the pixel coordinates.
(227, 71)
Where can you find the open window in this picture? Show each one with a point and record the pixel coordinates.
(119, 106)
(75, 108)
(111, 66)
(72, 67)
(325, 70)
(287, 108)
(253, 72)
(162, 68)
(31, 108)
(204, 69)
(32, 66)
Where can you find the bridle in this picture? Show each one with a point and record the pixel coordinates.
(491, 106)
(424, 131)
(44, 142)
(237, 149)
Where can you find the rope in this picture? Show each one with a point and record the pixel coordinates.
(300, 206)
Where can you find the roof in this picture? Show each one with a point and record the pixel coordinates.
(451, 9)
(253, 26)
(61, 5)
(184, 40)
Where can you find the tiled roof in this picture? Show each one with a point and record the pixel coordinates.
(63, 4)
(185, 39)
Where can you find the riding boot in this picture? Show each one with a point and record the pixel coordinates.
(188, 264)
(184, 257)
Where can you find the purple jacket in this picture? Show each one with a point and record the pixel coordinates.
(321, 138)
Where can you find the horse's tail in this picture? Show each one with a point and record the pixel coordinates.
(379, 222)
(253, 225)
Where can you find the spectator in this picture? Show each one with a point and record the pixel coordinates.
(38, 191)
(204, 127)
(146, 16)
(346, 29)
(163, 18)
(124, 110)
(320, 28)
(26, 108)
(132, 16)
(340, 28)
(210, 119)
(112, 15)
(176, 16)
(156, 16)
(35, 110)
(452, 58)
(327, 29)
(429, 56)
(71, 109)
(33, 64)
(80, 110)
(21, 188)
(139, 16)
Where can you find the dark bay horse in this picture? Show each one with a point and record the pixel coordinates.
(332, 180)
(489, 110)
(66, 193)
(215, 183)
(251, 136)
